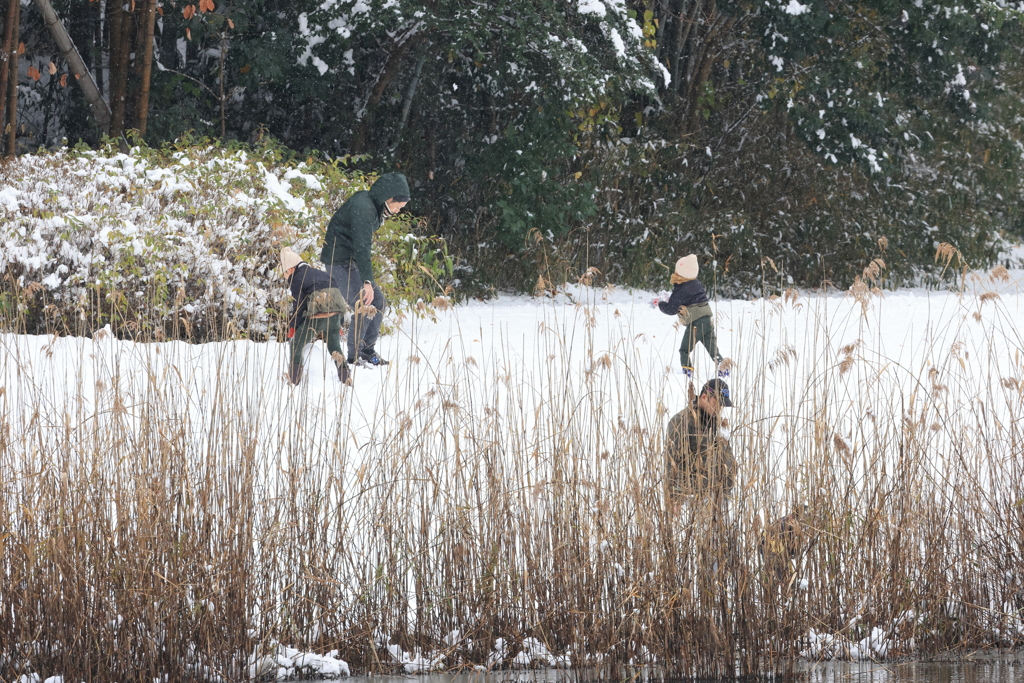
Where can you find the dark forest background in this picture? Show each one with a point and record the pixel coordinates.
(785, 143)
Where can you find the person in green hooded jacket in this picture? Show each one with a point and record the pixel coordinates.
(346, 254)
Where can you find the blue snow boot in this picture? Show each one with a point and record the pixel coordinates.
(370, 359)
(723, 368)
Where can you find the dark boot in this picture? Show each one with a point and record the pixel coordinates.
(369, 358)
(294, 373)
(343, 373)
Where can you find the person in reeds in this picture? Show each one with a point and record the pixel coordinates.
(689, 300)
(317, 309)
(698, 459)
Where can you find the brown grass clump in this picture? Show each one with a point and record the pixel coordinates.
(496, 499)
(542, 288)
(1000, 273)
(945, 253)
(847, 352)
(442, 303)
(861, 292)
(589, 276)
(873, 271)
(33, 288)
(784, 355)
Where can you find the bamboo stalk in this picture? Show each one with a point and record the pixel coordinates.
(120, 48)
(5, 56)
(79, 71)
(410, 92)
(220, 78)
(391, 69)
(12, 84)
(142, 108)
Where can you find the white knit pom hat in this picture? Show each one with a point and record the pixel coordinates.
(687, 267)
(289, 259)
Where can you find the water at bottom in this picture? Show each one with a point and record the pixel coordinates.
(979, 668)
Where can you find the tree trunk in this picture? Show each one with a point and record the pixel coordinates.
(410, 92)
(661, 13)
(686, 24)
(149, 26)
(223, 98)
(695, 45)
(168, 46)
(12, 85)
(6, 57)
(391, 70)
(103, 69)
(120, 52)
(720, 24)
(78, 69)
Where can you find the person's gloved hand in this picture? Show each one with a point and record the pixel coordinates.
(291, 332)
(659, 298)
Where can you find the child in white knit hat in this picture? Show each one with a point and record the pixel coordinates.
(318, 309)
(689, 300)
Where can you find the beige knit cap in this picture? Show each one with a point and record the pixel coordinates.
(687, 267)
(289, 259)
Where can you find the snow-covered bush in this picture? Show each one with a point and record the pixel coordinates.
(181, 242)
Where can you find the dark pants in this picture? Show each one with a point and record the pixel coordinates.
(362, 333)
(703, 331)
(310, 329)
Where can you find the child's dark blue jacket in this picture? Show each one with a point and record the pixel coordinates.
(689, 293)
(303, 282)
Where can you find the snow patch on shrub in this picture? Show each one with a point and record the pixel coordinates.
(156, 241)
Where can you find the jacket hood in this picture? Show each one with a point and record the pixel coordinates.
(387, 186)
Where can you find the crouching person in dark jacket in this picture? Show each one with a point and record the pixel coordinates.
(317, 309)
(698, 459)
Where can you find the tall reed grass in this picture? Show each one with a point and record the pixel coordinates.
(178, 510)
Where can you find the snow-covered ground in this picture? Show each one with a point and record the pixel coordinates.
(593, 356)
(516, 348)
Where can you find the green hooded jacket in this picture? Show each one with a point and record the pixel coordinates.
(350, 231)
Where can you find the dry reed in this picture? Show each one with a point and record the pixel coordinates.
(156, 522)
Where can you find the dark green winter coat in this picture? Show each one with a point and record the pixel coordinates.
(351, 229)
